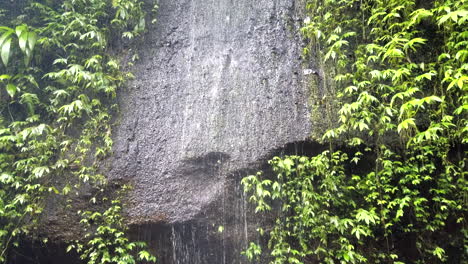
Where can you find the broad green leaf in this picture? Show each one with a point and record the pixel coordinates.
(5, 77)
(461, 81)
(32, 39)
(27, 56)
(288, 163)
(5, 51)
(69, 248)
(5, 29)
(4, 37)
(23, 40)
(20, 30)
(11, 89)
(406, 124)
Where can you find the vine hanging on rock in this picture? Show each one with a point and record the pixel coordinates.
(392, 187)
(58, 83)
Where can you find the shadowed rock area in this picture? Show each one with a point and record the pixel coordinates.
(218, 90)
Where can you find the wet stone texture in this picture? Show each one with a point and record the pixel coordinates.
(219, 89)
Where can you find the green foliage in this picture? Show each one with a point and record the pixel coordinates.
(57, 86)
(24, 38)
(398, 194)
(107, 242)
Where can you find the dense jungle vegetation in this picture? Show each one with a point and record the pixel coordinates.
(58, 82)
(391, 188)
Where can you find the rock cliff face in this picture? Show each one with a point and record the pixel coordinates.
(219, 89)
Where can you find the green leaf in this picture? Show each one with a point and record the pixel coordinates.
(6, 178)
(439, 253)
(5, 77)
(5, 51)
(11, 89)
(144, 255)
(20, 30)
(4, 37)
(408, 123)
(23, 40)
(27, 56)
(32, 39)
(288, 163)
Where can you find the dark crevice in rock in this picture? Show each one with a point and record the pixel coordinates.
(36, 252)
(299, 148)
(223, 228)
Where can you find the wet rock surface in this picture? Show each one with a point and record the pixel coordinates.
(219, 89)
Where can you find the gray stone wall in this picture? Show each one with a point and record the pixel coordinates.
(219, 89)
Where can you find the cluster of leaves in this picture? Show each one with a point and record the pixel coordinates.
(398, 194)
(107, 242)
(57, 86)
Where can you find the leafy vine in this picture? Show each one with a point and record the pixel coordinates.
(58, 83)
(392, 187)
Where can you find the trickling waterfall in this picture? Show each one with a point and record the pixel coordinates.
(218, 238)
(218, 89)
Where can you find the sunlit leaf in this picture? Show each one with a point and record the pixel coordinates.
(5, 51)
(11, 89)
(23, 40)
